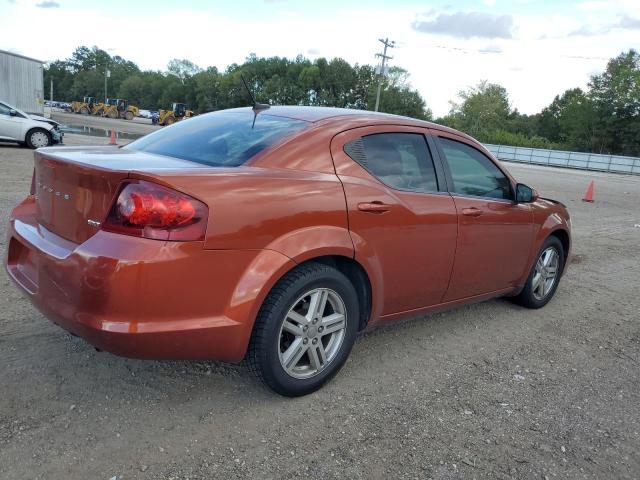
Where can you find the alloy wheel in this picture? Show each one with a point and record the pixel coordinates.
(312, 333)
(546, 273)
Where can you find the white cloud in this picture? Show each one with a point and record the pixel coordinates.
(629, 22)
(48, 4)
(467, 25)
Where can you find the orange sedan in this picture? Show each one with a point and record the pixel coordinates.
(275, 236)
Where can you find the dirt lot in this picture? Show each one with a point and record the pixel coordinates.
(485, 391)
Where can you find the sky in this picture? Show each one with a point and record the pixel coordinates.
(536, 49)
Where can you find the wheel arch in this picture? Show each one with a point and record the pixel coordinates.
(358, 277)
(553, 224)
(33, 129)
(564, 238)
(333, 246)
(269, 267)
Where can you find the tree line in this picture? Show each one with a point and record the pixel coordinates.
(603, 118)
(274, 80)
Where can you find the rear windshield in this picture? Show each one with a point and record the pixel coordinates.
(219, 139)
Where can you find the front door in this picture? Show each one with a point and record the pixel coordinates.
(400, 216)
(10, 126)
(494, 233)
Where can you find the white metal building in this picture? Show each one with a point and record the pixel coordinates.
(21, 82)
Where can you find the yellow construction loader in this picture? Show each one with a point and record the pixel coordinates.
(178, 112)
(120, 108)
(88, 106)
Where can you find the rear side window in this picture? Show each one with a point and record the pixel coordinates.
(219, 139)
(399, 160)
(473, 173)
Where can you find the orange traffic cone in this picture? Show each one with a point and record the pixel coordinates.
(112, 141)
(588, 197)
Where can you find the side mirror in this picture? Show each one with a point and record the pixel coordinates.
(525, 194)
(13, 113)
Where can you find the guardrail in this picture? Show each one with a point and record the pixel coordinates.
(558, 158)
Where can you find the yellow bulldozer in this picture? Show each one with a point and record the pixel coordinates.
(119, 108)
(178, 112)
(88, 106)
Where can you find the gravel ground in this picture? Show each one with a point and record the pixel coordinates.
(485, 391)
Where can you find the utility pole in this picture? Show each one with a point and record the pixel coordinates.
(385, 57)
(107, 74)
(50, 97)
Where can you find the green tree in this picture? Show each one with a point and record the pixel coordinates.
(397, 97)
(616, 96)
(571, 121)
(482, 109)
(133, 89)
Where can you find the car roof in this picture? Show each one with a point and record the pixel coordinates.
(317, 114)
(332, 114)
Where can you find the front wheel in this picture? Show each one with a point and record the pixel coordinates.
(545, 275)
(305, 330)
(38, 138)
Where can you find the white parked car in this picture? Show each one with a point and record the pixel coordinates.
(31, 130)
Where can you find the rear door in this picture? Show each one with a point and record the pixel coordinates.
(494, 233)
(400, 216)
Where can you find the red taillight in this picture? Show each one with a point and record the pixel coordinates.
(148, 210)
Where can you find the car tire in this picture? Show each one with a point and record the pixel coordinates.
(38, 138)
(545, 275)
(283, 330)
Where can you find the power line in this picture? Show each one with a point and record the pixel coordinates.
(385, 57)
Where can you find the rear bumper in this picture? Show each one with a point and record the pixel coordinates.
(136, 297)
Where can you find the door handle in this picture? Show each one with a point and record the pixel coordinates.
(374, 207)
(471, 212)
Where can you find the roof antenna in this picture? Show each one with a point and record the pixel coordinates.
(257, 107)
(254, 104)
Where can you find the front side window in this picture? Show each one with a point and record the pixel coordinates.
(399, 160)
(219, 139)
(473, 173)
(4, 110)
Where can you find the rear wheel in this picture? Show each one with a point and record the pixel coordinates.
(305, 330)
(170, 121)
(38, 138)
(84, 111)
(128, 115)
(545, 275)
